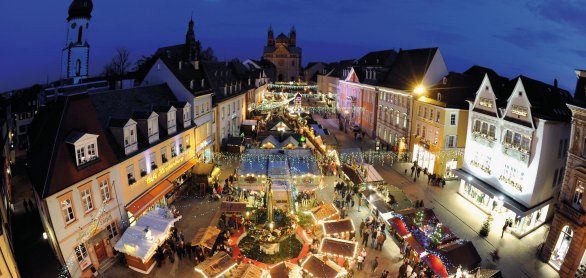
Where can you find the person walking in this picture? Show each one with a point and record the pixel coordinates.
(374, 264)
(362, 225)
(365, 238)
(403, 270)
(504, 228)
(359, 262)
(374, 236)
(380, 239)
(412, 170)
(359, 203)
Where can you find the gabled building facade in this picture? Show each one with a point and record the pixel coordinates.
(565, 246)
(515, 152)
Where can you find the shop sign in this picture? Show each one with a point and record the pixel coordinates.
(163, 170)
(250, 179)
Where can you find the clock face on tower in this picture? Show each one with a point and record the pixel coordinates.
(73, 25)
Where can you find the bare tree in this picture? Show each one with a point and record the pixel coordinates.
(118, 66)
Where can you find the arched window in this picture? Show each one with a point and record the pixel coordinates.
(561, 247)
(77, 67)
(79, 34)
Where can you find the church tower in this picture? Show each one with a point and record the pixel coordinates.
(293, 36)
(193, 46)
(76, 53)
(271, 37)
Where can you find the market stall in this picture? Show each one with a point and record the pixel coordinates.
(139, 242)
(460, 253)
(338, 247)
(249, 126)
(204, 175)
(372, 176)
(351, 174)
(319, 268)
(206, 238)
(324, 212)
(216, 265)
(285, 269)
(343, 228)
(249, 270)
(233, 207)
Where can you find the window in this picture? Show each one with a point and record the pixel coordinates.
(484, 129)
(105, 190)
(130, 174)
(431, 114)
(578, 193)
(67, 210)
(86, 199)
(476, 127)
(80, 156)
(492, 132)
(423, 133)
(451, 141)
(453, 119)
(404, 121)
(419, 111)
(129, 136)
(173, 150)
(196, 110)
(555, 178)
(163, 155)
(417, 130)
(397, 118)
(435, 140)
(222, 113)
(437, 116)
(425, 112)
(142, 167)
(81, 253)
(112, 230)
(153, 160)
(439, 97)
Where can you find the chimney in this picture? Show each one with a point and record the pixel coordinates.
(191, 84)
(225, 89)
(249, 81)
(180, 65)
(555, 83)
(195, 64)
(202, 82)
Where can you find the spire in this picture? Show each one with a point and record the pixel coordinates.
(292, 36)
(271, 36)
(191, 44)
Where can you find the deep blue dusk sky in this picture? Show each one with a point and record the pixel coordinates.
(541, 39)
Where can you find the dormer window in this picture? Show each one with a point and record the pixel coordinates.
(85, 146)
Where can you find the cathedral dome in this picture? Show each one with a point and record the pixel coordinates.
(282, 38)
(80, 8)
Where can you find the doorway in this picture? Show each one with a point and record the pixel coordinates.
(100, 250)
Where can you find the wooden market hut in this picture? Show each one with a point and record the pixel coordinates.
(342, 228)
(249, 270)
(338, 247)
(216, 265)
(285, 269)
(318, 268)
(324, 212)
(204, 174)
(205, 238)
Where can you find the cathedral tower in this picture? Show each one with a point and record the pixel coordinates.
(293, 36)
(271, 37)
(76, 53)
(193, 46)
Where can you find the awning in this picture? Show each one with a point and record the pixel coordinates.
(155, 193)
(372, 174)
(352, 175)
(181, 170)
(146, 200)
(399, 226)
(436, 265)
(508, 202)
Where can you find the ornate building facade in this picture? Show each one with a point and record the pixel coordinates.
(284, 54)
(565, 244)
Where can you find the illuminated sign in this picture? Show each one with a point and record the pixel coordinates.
(519, 110)
(485, 102)
(250, 179)
(161, 171)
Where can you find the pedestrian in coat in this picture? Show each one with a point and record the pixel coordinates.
(505, 228)
(374, 264)
(365, 238)
(412, 170)
(359, 262)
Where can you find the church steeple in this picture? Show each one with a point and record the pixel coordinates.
(292, 36)
(271, 37)
(190, 43)
(75, 55)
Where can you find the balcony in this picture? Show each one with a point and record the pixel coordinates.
(516, 152)
(483, 139)
(576, 214)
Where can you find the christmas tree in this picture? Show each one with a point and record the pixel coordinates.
(436, 236)
(485, 227)
(418, 219)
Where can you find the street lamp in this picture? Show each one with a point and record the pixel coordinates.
(419, 89)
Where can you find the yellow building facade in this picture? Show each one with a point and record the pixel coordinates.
(438, 136)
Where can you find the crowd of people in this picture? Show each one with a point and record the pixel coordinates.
(432, 179)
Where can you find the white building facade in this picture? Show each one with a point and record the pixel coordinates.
(515, 153)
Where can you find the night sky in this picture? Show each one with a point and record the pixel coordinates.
(540, 39)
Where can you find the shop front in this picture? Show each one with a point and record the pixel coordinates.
(424, 157)
(163, 193)
(522, 220)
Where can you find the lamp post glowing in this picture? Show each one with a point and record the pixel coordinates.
(419, 89)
